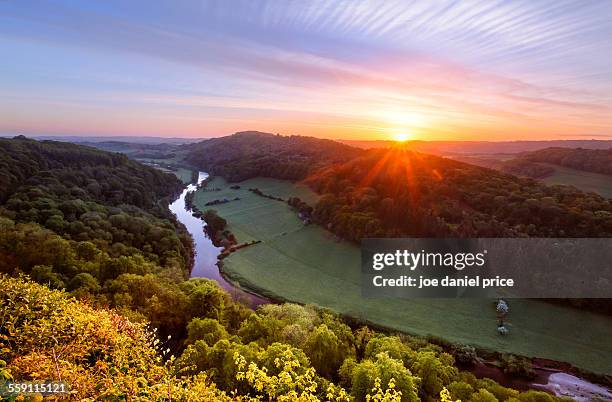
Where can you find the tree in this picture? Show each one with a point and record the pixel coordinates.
(205, 329)
(392, 346)
(84, 282)
(324, 350)
(460, 390)
(435, 372)
(44, 274)
(483, 396)
(384, 368)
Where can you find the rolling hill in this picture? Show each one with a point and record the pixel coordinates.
(250, 154)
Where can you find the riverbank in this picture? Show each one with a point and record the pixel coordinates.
(205, 252)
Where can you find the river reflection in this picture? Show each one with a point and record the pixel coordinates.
(205, 259)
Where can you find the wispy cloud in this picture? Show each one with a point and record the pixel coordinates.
(505, 69)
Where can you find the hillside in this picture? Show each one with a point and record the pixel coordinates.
(135, 150)
(27, 162)
(398, 192)
(250, 154)
(588, 160)
(586, 169)
(92, 222)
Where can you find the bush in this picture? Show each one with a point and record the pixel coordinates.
(48, 335)
(517, 366)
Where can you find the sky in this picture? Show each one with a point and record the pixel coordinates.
(344, 69)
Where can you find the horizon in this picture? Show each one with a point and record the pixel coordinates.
(449, 71)
(163, 139)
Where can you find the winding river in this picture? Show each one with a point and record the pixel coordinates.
(205, 259)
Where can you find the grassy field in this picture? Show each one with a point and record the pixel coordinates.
(308, 265)
(585, 181)
(183, 174)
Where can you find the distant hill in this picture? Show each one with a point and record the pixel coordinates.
(25, 162)
(587, 169)
(125, 139)
(588, 160)
(482, 147)
(135, 150)
(250, 154)
(513, 165)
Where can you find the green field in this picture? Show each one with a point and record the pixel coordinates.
(183, 174)
(308, 265)
(585, 181)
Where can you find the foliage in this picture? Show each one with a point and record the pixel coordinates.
(517, 366)
(86, 195)
(208, 330)
(435, 372)
(396, 192)
(291, 383)
(389, 395)
(388, 371)
(46, 335)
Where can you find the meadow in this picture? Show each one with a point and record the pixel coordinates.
(309, 265)
(185, 175)
(585, 181)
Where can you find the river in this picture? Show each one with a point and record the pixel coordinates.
(205, 252)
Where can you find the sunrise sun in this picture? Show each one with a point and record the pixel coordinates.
(401, 136)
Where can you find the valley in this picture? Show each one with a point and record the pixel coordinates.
(313, 201)
(98, 227)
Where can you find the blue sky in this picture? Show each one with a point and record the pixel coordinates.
(340, 69)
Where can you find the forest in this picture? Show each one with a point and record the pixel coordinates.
(114, 315)
(90, 221)
(398, 192)
(402, 193)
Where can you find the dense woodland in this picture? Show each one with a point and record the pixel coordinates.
(514, 166)
(89, 221)
(250, 154)
(523, 167)
(281, 352)
(401, 193)
(397, 192)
